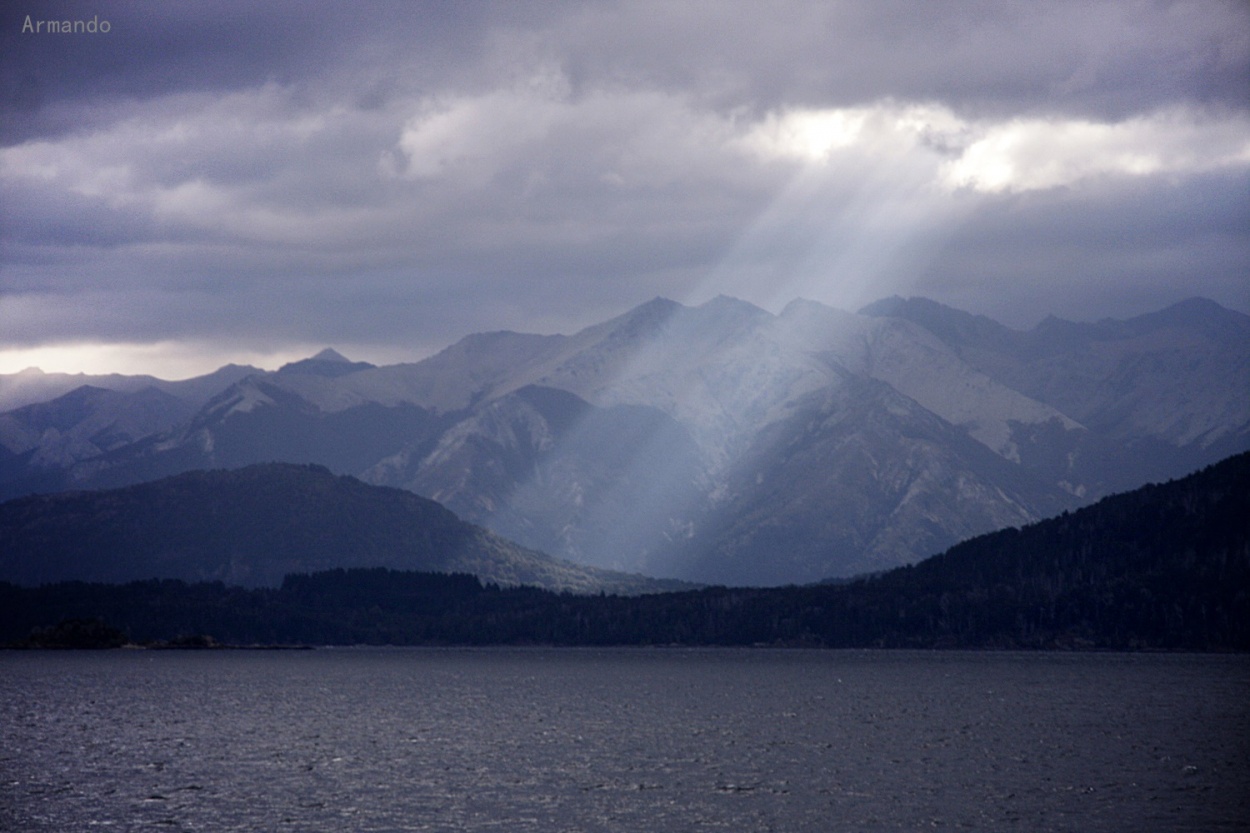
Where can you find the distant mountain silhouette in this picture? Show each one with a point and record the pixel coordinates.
(328, 362)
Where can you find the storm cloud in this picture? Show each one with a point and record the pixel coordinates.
(217, 181)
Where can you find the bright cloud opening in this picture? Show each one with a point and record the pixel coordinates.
(807, 134)
(1026, 155)
(1015, 155)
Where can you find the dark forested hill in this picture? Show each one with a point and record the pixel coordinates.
(254, 525)
(1164, 567)
(1167, 564)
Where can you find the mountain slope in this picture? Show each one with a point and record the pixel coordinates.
(260, 420)
(254, 525)
(1168, 388)
(52, 422)
(43, 441)
(602, 486)
(901, 479)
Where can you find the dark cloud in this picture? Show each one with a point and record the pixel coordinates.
(401, 173)
(155, 49)
(1073, 56)
(1110, 58)
(1123, 249)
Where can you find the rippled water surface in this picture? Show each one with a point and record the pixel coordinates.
(622, 740)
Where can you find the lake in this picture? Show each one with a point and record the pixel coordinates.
(374, 739)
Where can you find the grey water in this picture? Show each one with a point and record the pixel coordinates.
(622, 740)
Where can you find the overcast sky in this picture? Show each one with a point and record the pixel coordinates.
(216, 181)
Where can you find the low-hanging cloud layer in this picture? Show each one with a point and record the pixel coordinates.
(227, 181)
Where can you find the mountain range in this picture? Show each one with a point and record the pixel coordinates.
(718, 443)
